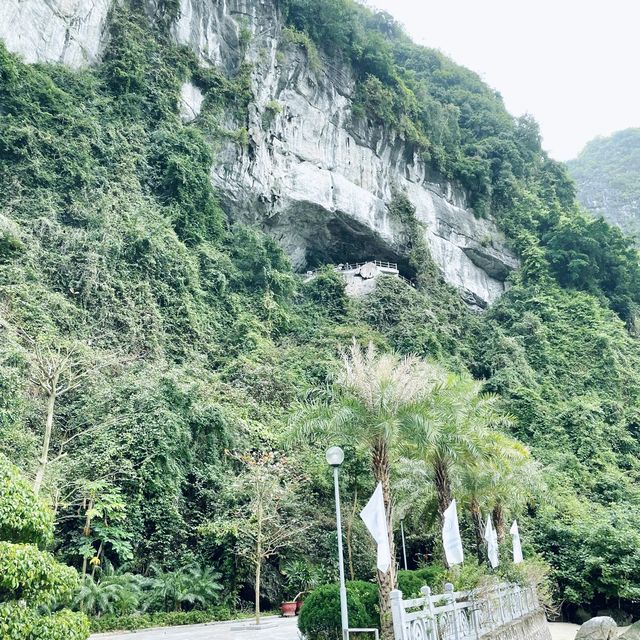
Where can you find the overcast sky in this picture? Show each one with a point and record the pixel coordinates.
(573, 64)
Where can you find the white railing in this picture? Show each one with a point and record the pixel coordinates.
(379, 263)
(460, 615)
(352, 266)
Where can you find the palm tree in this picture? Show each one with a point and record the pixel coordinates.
(514, 485)
(461, 420)
(117, 593)
(191, 584)
(503, 483)
(476, 488)
(379, 403)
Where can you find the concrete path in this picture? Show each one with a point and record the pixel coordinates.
(563, 630)
(282, 629)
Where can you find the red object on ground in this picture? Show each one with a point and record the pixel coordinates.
(289, 609)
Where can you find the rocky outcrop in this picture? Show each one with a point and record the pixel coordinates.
(66, 31)
(191, 100)
(320, 180)
(599, 628)
(305, 170)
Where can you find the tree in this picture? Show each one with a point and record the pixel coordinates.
(502, 483)
(104, 510)
(264, 524)
(31, 579)
(461, 417)
(515, 481)
(379, 403)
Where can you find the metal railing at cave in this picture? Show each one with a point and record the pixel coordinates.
(460, 615)
(379, 263)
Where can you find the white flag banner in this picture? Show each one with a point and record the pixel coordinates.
(517, 547)
(491, 538)
(375, 518)
(451, 536)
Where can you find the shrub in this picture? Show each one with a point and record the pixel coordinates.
(320, 615)
(328, 290)
(23, 518)
(146, 621)
(410, 582)
(30, 577)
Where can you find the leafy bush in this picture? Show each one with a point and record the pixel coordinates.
(20, 622)
(30, 577)
(23, 518)
(328, 290)
(433, 576)
(320, 614)
(160, 619)
(33, 575)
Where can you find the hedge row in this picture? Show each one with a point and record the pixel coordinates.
(161, 619)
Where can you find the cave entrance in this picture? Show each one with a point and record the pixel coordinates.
(343, 241)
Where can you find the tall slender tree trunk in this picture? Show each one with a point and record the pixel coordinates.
(443, 492)
(258, 562)
(95, 564)
(257, 587)
(476, 516)
(43, 461)
(386, 581)
(86, 532)
(498, 521)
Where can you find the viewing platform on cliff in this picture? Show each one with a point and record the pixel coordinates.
(361, 277)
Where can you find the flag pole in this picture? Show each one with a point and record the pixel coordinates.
(335, 457)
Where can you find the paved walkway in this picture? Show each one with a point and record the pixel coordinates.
(282, 629)
(279, 629)
(563, 630)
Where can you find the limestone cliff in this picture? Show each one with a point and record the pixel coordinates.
(314, 176)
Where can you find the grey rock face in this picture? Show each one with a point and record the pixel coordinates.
(312, 175)
(599, 628)
(632, 633)
(191, 100)
(65, 31)
(318, 179)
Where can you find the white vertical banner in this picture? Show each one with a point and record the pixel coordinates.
(517, 546)
(491, 538)
(451, 539)
(374, 516)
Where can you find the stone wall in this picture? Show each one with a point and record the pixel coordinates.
(531, 627)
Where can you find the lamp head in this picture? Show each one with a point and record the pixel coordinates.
(335, 456)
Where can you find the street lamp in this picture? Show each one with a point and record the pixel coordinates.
(335, 457)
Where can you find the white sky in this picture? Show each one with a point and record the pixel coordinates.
(573, 64)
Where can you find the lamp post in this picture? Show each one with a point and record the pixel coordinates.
(335, 457)
(404, 548)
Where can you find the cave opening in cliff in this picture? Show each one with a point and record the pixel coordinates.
(343, 241)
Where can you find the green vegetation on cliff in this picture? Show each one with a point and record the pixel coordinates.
(607, 177)
(155, 341)
(461, 126)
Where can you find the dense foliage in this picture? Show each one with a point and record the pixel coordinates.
(460, 125)
(29, 577)
(607, 175)
(183, 342)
